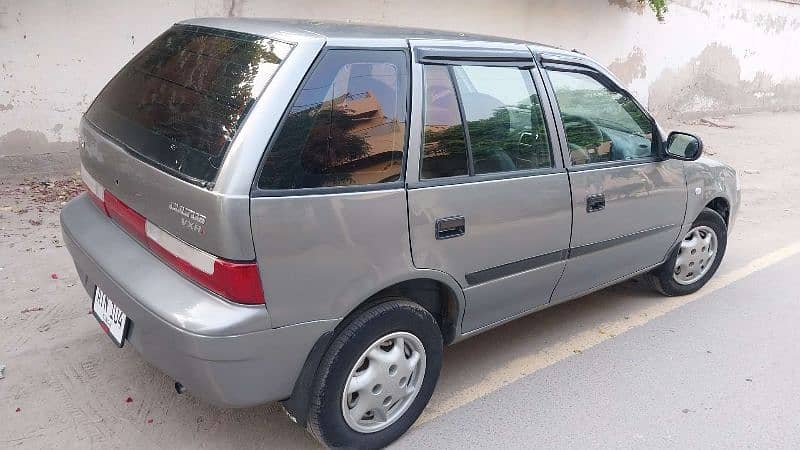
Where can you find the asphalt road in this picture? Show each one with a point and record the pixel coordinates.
(621, 368)
(721, 372)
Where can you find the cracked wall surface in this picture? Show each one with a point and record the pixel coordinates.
(709, 56)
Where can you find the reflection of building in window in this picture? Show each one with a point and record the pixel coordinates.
(366, 118)
(346, 127)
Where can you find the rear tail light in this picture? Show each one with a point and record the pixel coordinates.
(96, 190)
(132, 221)
(234, 280)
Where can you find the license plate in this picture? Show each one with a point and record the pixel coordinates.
(112, 320)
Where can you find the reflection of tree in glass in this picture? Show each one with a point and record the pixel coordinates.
(324, 139)
(440, 141)
(492, 134)
(190, 88)
(606, 108)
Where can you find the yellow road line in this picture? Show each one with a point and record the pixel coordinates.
(528, 364)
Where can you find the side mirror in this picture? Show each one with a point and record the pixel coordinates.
(684, 146)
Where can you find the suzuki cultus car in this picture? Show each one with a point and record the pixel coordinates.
(308, 212)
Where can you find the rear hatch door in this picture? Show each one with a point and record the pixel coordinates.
(159, 132)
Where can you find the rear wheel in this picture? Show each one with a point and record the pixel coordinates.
(695, 260)
(376, 377)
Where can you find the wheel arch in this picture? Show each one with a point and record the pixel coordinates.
(434, 290)
(710, 184)
(722, 206)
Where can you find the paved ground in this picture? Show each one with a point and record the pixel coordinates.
(622, 368)
(720, 372)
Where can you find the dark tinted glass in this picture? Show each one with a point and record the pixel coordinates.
(504, 119)
(179, 103)
(445, 150)
(346, 126)
(600, 124)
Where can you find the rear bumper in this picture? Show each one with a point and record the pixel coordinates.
(221, 352)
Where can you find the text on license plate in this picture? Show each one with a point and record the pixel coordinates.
(112, 319)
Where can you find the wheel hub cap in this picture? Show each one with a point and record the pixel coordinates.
(384, 382)
(695, 255)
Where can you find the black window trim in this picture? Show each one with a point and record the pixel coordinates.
(483, 177)
(574, 65)
(464, 124)
(454, 55)
(471, 177)
(256, 191)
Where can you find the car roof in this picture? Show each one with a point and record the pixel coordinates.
(340, 30)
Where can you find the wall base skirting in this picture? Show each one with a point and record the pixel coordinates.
(43, 164)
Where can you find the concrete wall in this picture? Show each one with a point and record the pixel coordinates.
(710, 56)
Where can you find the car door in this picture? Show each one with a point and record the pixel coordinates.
(628, 202)
(489, 203)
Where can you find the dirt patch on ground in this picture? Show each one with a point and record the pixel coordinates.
(41, 194)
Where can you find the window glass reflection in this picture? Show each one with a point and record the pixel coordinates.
(346, 127)
(179, 103)
(504, 119)
(600, 124)
(445, 150)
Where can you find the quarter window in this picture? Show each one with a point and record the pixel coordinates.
(346, 125)
(600, 124)
(445, 149)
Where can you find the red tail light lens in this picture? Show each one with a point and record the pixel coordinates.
(238, 282)
(132, 221)
(234, 280)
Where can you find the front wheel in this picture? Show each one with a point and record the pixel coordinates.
(695, 260)
(376, 377)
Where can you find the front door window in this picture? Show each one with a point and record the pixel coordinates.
(601, 124)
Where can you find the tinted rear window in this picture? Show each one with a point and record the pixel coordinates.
(178, 103)
(346, 125)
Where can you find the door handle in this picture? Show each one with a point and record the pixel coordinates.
(450, 227)
(595, 202)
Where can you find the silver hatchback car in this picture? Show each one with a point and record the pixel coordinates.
(308, 211)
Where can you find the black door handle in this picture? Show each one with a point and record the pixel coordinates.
(595, 202)
(450, 227)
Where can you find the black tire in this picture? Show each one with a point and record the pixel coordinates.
(661, 278)
(325, 420)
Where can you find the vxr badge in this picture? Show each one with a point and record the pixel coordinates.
(190, 219)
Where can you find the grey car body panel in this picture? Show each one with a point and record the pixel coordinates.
(714, 180)
(321, 255)
(151, 192)
(223, 353)
(645, 205)
(505, 223)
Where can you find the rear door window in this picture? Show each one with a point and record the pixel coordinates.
(346, 126)
(505, 128)
(177, 105)
(504, 118)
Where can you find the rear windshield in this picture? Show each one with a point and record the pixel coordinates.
(178, 104)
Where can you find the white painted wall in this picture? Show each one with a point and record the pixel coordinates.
(709, 55)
